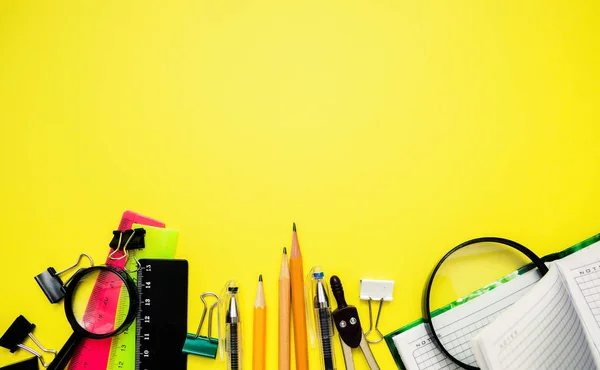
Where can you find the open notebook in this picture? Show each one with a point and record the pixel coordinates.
(554, 326)
(461, 321)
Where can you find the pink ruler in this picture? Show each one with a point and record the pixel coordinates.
(93, 354)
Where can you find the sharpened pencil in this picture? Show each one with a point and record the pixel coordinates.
(298, 304)
(260, 329)
(284, 313)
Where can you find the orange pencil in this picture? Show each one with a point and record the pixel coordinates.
(298, 304)
(260, 328)
(284, 313)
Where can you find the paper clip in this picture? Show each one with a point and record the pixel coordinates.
(13, 338)
(201, 345)
(134, 241)
(51, 283)
(29, 364)
(376, 290)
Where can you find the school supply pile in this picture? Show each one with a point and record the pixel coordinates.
(132, 312)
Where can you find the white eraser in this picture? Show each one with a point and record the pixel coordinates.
(376, 289)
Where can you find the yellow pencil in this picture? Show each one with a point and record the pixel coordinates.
(260, 328)
(284, 313)
(298, 304)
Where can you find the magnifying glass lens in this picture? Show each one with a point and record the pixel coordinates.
(100, 302)
(469, 272)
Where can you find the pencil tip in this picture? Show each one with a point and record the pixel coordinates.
(294, 227)
(284, 250)
(260, 278)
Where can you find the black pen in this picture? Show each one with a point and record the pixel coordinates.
(323, 319)
(233, 341)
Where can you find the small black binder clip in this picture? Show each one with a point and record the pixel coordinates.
(133, 240)
(29, 364)
(51, 283)
(14, 337)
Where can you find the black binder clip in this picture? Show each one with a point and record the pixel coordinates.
(134, 240)
(51, 283)
(29, 364)
(14, 337)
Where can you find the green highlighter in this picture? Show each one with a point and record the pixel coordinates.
(205, 346)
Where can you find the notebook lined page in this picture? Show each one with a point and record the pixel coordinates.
(588, 281)
(458, 326)
(541, 331)
(582, 275)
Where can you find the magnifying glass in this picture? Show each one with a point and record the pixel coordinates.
(469, 270)
(87, 289)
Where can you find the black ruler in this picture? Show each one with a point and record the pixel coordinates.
(162, 317)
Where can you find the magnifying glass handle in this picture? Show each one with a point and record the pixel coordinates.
(64, 355)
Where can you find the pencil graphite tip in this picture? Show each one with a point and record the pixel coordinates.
(294, 227)
(295, 245)
(284, 250)
(260, 294)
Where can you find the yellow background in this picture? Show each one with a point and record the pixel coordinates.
(388, 130)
